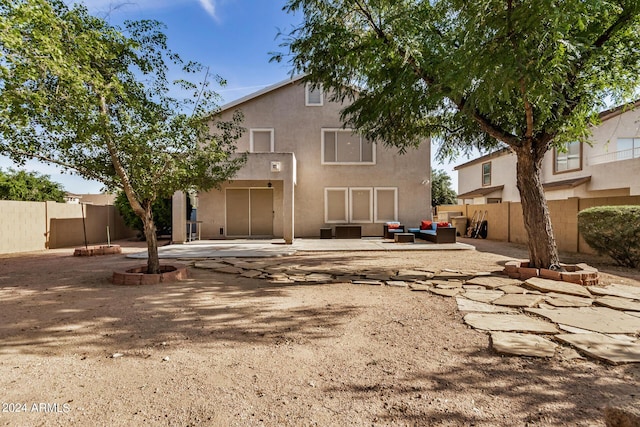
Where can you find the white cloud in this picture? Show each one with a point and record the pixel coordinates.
(209, 6)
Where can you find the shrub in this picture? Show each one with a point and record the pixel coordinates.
(614, 231)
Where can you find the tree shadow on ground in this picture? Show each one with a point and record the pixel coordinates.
(487, 387)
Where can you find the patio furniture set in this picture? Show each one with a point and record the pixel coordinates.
(436, 232)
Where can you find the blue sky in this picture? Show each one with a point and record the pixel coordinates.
(232, 37)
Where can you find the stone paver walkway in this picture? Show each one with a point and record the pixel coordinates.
(522, 318)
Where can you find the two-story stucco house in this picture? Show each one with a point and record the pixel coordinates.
(305, 172)
(608, 167)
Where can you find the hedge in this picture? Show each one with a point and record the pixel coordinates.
(614, 231)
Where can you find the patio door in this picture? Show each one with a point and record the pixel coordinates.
(249, 212)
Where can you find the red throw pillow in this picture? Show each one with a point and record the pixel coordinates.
(443, 224)
(426, 225)
(393, 226)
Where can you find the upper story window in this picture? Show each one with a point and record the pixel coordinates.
(346, 147)
(569, 159)
(628, 148)
(314, 96)
(261, 141)
(486, 174)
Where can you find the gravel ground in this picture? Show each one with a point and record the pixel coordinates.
(223, 350)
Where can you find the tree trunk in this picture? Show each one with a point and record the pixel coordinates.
(543, 251)
(153, 261)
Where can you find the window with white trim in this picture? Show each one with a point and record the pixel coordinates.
(261, 141)
(385, 202)
(313, 95)
(336, 203)
(360, 204)
(486, 174)
(628, 148)
(343, 146)
(569, 158)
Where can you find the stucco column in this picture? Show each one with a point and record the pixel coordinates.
(179, 218)
(288, 198)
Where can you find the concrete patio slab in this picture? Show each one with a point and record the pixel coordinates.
(596, 319)
(522, 344)
(508, 323)
(547, 285)
(603, 347)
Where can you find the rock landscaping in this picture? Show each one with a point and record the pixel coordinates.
(524, 315)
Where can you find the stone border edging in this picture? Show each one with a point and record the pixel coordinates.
(581, 274)
(136, 276)
(98, 250)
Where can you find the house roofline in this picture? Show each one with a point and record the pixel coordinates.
(497, 153)
(620, 109)
(261, 92)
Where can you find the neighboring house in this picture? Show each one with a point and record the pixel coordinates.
(609, 167)
(305, 172)
(102, 199)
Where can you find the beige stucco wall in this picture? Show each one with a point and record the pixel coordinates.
(503, 171)
(505, 222)
(35, 226)
(298, 129)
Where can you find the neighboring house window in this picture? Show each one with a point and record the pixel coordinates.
(261, 141)
(385, 201)
(313, 96)
(346, 147)
(628, 148)
(486, 174)
(570, 159)
(360, 204)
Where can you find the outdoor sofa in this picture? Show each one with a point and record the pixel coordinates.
(436, 232)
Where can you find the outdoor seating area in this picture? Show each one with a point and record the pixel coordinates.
(436, 232)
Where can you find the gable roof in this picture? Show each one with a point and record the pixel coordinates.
(261, 92)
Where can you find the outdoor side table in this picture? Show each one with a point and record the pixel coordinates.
(404, 238)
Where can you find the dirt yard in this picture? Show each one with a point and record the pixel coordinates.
(222, 350)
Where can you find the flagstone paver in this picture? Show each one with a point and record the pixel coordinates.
(603, 347)
(522, 344)
(493, 282)
(547, 285)
(465, 304)
(563, 300)
(517, 300)
(446, 292)
(513, 289)
(493, 303)
(596, 319)
(618, 303)
(616, 290)
(483, 295)
(509, 323)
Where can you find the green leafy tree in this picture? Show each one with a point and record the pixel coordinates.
(441, 191)
(529, 75)
(161, 209)
(29, 187)
(95, 98)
